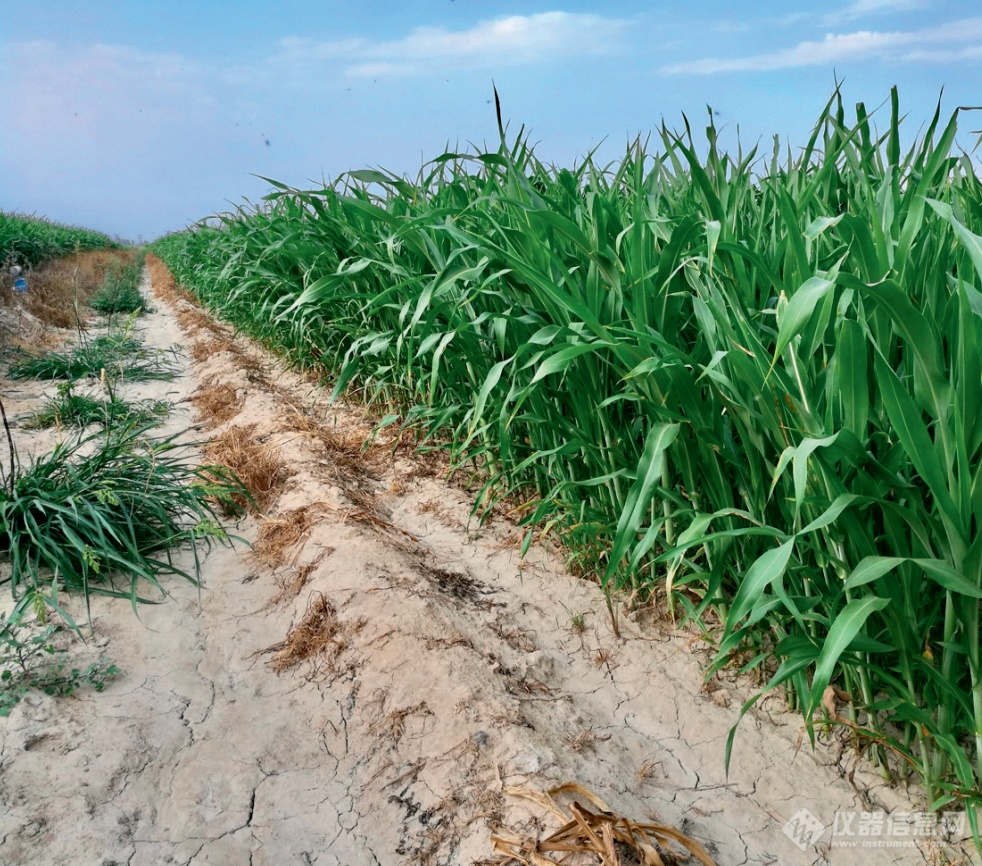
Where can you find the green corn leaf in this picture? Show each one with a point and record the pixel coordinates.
(820, 225)
(800, 468)
(872, 568)
(649, 473)
(768, 568)
(799, 310)
(559, 361)
(968, 239)
(789, 668)
(913, 434)
(832, 513)
(713, 230)
(847, 624)
(849, 377)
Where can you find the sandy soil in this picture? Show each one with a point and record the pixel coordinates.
(449, 672)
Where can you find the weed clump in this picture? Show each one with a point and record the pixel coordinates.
(118, 355)
(103, 513)
(120, 291)
(71, 409)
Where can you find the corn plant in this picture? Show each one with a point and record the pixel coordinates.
(748, 380)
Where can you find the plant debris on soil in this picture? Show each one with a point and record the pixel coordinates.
(255, 464)
(611, 840)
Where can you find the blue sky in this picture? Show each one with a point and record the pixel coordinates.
(137, 118)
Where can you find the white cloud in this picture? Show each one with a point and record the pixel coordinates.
(522, 38)
(518, 39)
(119, 92)
(814, 17)
(910, 45)
(90, 127)
(832, 48)
(862, 8)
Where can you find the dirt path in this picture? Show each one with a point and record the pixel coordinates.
(447, 670)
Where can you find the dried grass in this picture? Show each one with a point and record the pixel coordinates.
(491, 807)
(519, 639)
(320, 637)
(248, 362)
(205, 348)
(216, 404)
(366, 513)
(457, 585)
(448, 515)
(585, 741)
(194, 319)
(202, 350)
(291, 587)
(649, 768)
(392, 725)
(597, 832)
(211, 338)
(163, 284)
(57, 285)
(354, 463)
(278, 534)
(260, 471)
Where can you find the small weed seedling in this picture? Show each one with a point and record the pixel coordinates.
(30, 660)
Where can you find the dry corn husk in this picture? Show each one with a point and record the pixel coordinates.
(593, 830)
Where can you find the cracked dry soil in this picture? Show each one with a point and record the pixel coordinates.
(444, 668)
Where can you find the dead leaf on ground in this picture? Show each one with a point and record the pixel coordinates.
(595, 830)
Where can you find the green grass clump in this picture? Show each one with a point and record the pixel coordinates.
(29, 240)
(118, 355)
(120, 291)
(67, 408)
(747, 381)
(119, 299)
(103, 513)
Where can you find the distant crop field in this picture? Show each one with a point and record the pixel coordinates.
(745, 383)
(28, 240)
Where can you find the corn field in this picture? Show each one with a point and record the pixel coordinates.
(749, 382)
(27, 240)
